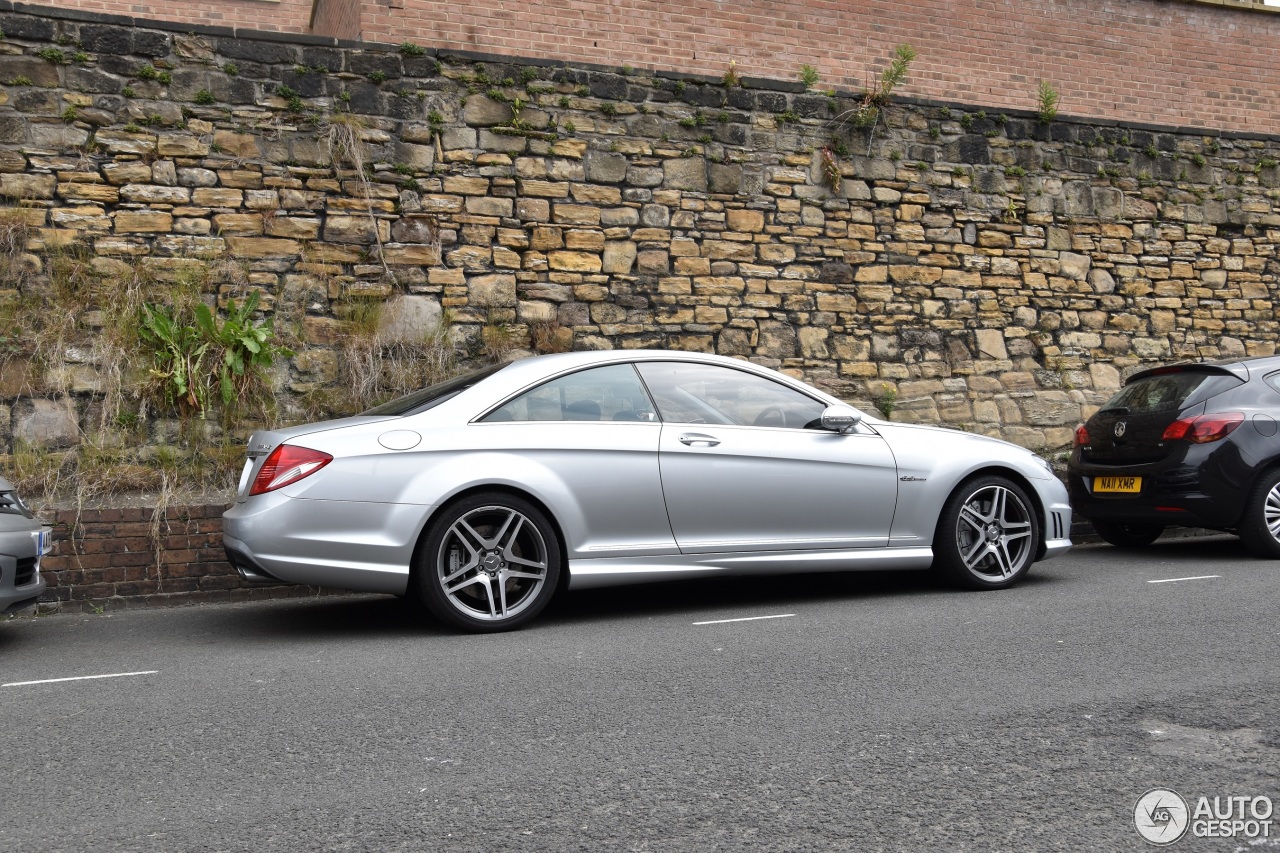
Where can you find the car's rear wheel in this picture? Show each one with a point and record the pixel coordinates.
(987, 534)
(1123, 535)
(1260, 526)
(491, 563)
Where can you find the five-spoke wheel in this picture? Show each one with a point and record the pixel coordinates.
(491, 563)
(988, 534)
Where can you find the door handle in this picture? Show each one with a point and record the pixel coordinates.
(692, 438)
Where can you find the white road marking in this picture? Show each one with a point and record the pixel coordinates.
(744, 619)
(79, 678)
(1196, 578)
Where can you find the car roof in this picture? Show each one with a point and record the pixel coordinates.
(1240, 366)
(523, 372)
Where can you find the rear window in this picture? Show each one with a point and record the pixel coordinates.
(1169, 392)
(433, 395)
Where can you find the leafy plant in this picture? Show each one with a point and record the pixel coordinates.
(886, 401)
(731, 78)
(831, 168)
(1047, 99)
(205, 97)
(177, 362)
(377, 77)
(879, 94)
(809, 76)
(241, 347)
(52, 55)
(231, 69)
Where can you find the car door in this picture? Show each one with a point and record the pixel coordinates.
(745, 469)
(588, 443)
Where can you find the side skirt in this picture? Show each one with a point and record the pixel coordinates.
(586, 574)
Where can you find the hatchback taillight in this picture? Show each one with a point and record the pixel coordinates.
(1203, 429)
(287, 464)
(1082, 436)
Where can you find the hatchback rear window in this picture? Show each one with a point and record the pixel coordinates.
(1169, 392)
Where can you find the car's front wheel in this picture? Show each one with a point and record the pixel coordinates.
(1260, 527)
(1123, 535)
(987, 535)
(491, 562)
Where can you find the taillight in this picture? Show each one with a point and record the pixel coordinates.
(287, 464)
(1203, 429)
(1082, 436)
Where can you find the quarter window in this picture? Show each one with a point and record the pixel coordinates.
(610, 393)
(709, 394)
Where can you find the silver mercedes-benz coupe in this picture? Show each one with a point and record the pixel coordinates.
(484, 495)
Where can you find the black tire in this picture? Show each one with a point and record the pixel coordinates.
(1259, 528)
(988, 534)
(491, 562)
(1123, 535)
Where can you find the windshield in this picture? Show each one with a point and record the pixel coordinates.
(433, 395)
(1168, 392)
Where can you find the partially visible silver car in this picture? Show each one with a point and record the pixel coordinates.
(23, 541)
(483, 495)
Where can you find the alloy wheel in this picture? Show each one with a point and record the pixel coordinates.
(492, 563)
(994, 533)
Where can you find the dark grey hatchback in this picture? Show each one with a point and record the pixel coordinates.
(1189, 445)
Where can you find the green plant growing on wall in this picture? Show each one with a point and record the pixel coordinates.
(52, 55)
(831, 168)
(886, 401)
(731, 78)
(809, 76)
(1046, 103)
(867, 114)
(177, 358)
(408, 48)
(243, 350)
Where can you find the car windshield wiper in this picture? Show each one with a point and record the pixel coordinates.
(1115, 410)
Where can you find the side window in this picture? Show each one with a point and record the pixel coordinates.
(709, 394)
(611, 393)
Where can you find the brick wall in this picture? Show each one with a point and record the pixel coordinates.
(338, 18)
(128, 557)
(284, 16)
(1184, 64)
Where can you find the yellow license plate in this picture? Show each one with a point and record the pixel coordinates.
(1118, 485)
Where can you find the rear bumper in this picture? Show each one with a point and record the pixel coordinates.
(359, 546)
(1180, 497)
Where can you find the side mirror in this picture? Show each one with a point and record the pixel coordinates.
(841, 419)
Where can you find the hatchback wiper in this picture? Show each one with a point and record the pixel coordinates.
(1115, 410)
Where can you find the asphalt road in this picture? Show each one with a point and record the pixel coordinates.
(878, 712)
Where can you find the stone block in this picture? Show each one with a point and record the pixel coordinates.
(142, 221)
(49, 424)
(409, 318)
(619, 257)
(492, 291)
(239, 145)
(685, 173)
(570, 261)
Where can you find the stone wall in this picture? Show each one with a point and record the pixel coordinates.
(978, 268)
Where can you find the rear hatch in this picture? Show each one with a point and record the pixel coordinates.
(1130, 428)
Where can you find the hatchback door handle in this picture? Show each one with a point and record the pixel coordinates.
(693, 438)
